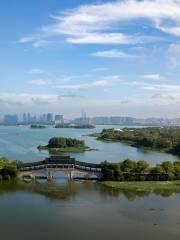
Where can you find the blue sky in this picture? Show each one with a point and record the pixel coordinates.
(108, 57)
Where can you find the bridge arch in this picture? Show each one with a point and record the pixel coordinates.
(57, 164)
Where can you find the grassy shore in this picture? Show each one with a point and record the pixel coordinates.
(67, 149)
(143, 186)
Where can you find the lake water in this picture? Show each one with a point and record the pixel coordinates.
(85, 210)
(21, 143)
(81, 210)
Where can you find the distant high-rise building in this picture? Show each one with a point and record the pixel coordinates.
(83, 114)
(11, 119)
(49, 117)
(43, 118)
(28, 118)
(59, 119)
(24, 118)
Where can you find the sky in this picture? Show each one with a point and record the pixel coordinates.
(108, 57)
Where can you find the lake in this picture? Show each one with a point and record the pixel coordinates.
(81, 210)
(21, 143)
(86, 210)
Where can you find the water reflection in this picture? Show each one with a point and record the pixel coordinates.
(67, 190)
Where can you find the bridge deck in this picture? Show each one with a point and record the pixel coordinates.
(60, 162)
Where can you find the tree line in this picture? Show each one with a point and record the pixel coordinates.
(62, 142)
(130, 170)
(165, 139)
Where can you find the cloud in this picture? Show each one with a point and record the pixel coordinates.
(27, 99)
(152, 77)
(36, 71)
(102, 23)
(114, 53)
(103, 38)
(159, 96)
(164, 91)
(99, 83)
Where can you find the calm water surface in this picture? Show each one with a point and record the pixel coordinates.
(86, 211)
(81, 210)
(21, 143)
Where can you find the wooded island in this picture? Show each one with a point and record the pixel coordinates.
(62, 144)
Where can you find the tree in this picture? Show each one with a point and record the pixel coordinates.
(176, 149)
(157, 172)
(128, 166)
(167, 166)
(142, 166)
(61, 142)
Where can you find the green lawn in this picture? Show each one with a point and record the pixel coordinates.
(143, 186)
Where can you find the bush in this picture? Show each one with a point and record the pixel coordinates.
(130, 170)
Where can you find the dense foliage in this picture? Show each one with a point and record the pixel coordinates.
(130, 170)
(165, 139)
(63, 125)
(37, 126)
(62, 142)
(84, 126)
(8, 169)
(68, 125)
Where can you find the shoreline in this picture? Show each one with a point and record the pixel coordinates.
(143, 186)
(69, 149)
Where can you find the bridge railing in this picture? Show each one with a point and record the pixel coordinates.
(62, 166)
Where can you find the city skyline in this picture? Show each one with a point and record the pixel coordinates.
(55, 119)
(108, 57)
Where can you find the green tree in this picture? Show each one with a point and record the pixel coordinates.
(128, 166)
(168, 167)
(142, 167)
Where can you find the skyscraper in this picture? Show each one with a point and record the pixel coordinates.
(49, 117)
(59, 119)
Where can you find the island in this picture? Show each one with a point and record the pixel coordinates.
(36, 126)
(68, 125)
(166, 139)
(62, 144)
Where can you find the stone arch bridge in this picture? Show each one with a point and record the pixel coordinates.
(56, 164)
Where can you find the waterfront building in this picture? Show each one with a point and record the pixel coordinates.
(49, 118)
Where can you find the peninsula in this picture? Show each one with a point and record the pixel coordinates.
(161, 139)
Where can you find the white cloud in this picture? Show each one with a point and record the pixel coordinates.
(26, 98)
(114, 53)
(99, 83)
(29, 99)
(36, 71)
(167, 92)
(100, 23)
(152, 77)
(103, 38)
